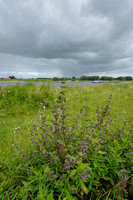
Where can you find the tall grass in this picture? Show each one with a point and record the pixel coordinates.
(66, 143)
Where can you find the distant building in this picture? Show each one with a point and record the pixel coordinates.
(6, 78)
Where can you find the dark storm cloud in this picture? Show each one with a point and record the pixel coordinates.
(66, 37)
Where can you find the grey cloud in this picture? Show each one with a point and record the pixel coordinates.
(70, 37)
(48, 34)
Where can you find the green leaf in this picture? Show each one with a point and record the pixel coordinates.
(120, 160)
(83, 186)
(90, 186)
(73, 172)
(24, 182)
(95, 164)
(50, 196)
(110, 179)
(112, 182)
(101, 152)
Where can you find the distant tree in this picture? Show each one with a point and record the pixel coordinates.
(73, 78)
(89, 78)
(128, 78)
(12, 77)
(56, 79)
(93, 78)
(63, 79)
(83, 78)
(120, 78)
(104, 78)
(110, 78)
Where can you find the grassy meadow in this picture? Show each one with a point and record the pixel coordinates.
(66, 143)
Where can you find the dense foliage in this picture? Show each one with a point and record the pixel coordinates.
(72, 152)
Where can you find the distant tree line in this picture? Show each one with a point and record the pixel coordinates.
(61, 79)
(106, 78)
(87, 78)
(95, 78)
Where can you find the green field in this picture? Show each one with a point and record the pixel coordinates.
(66, 143)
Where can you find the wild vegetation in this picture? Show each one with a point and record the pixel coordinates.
(66, 143)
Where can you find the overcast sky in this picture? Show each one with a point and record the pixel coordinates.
(47, 38)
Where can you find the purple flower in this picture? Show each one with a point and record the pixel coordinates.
(57, 106)
(85, 175)
(101, 141)
(84, 149)
(82, 177)
(54, 124)
(85, 143)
